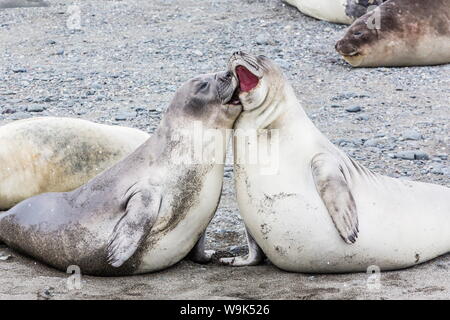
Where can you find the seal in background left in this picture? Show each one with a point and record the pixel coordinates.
(51, 154)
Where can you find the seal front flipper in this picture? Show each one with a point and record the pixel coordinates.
(255, 255)
(141, 208)
(198, 254)
(332, 186)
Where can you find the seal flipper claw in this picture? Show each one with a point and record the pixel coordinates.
(255, 255)
(141, 210)
(336, 195)
(198, 254)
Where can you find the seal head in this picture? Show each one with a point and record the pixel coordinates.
(259, 79)
(399, 33)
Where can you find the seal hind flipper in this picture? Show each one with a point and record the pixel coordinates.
(142, 206)
(255, 254)
(198, 254)
(336, 195)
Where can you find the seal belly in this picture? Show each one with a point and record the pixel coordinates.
(170, 242)
(328, 10)
(397, 228)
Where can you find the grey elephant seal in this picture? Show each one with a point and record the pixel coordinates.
(40, 155)
(321, 211)
(399, 33)
(338, 11)
(148, 211)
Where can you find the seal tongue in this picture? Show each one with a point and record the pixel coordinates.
(247, 80)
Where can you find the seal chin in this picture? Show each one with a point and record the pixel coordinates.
(234, 100)
(350, 52)
(355, 59)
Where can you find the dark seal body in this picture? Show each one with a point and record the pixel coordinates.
(145, 213)
(399, 33)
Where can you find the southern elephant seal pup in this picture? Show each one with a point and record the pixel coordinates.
(148, 211)
(320, 211)
(399, 33)
(338, 11)
(40, 155)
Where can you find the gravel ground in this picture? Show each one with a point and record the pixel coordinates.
(123, 66)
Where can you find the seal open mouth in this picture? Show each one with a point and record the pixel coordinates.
(247, 80)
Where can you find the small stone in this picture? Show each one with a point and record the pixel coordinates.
(262, 39)
(412, 155)
(406, 155)
(238, 250)
(373, 149)
(96, 86)
(20, 70)
(420, 155)
(35, 108)
(362, 117)
(46, 294)
(9, 111)
(372, 142)
(59, 52)
(353, 109)
(411, 135)
(20, 115)
(5, 257)
(437, 170)
(125, 116)
(197, 53)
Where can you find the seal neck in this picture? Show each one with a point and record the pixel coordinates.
(282, 111)
(291, 112)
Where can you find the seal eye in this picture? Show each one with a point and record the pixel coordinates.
(202, 86)
(358, 34)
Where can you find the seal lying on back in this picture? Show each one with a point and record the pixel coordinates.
(148, 211)
(321, 211)
(338, 11)
(41, 155)
(399, 33)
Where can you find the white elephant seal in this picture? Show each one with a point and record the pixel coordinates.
(321, 211)
(148, 211)
(337, 11)
(41, 155)
(399, 33)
